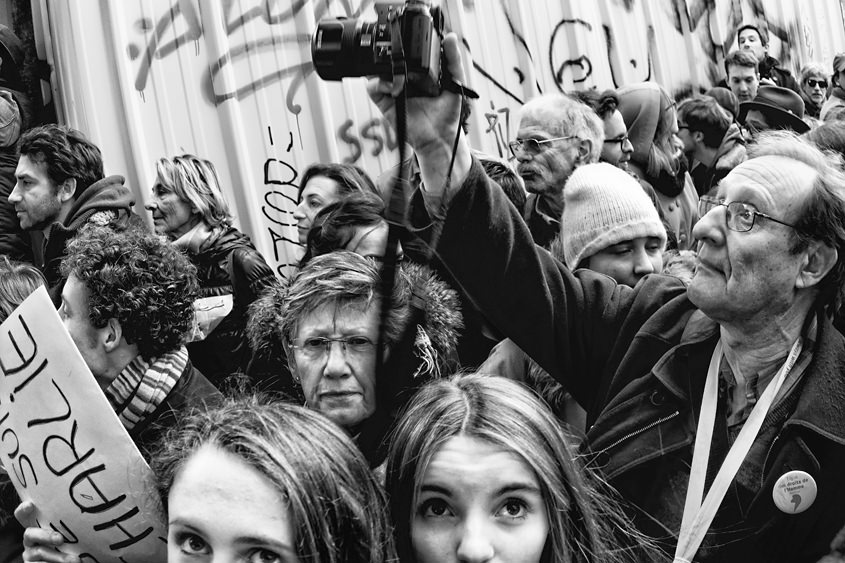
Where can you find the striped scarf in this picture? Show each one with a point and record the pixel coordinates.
(142, 386)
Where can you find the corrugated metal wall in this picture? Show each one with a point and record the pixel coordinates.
(231, 80)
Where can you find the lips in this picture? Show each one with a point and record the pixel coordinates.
(338, 395)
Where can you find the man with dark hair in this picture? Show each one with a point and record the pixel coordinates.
(128, 306)
(713, 144)
(751, 38)
(60, 187)
(742, 76)
(616, 148)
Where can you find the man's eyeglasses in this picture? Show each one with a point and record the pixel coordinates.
(821, 83)
(740, 216)
(318, 346)
(533, 146)
(621, 140)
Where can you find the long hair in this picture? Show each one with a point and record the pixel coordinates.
(195, 181)
(584, 523)
(336, 505)
(349, 178)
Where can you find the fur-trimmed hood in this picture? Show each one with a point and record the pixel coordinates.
(436, 338)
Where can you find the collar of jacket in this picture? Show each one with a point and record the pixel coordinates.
(819, 407)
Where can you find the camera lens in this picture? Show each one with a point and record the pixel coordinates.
(345, 47)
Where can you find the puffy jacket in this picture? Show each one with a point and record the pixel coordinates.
(228, 264)
(626, 356)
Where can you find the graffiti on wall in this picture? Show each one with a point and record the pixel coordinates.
(602, 44)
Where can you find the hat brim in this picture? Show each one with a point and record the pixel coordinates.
(796, 123)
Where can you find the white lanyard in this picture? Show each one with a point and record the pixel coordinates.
(699, 515)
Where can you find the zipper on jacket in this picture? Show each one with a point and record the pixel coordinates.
(630, 435)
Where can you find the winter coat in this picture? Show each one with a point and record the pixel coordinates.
(834, 105)
(626, 356)
(228, 264)
(770, 68)
(106, 202)
(14, 242)
(729, 155)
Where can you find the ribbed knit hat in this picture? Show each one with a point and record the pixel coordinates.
(602, 206)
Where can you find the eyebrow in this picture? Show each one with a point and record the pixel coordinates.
(509, 488)
(266, 543)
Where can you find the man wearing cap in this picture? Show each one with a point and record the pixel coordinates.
(752, 38)
(714, 410)
(773, 108)
(834, 106)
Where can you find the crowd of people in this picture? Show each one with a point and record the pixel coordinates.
(624, 343)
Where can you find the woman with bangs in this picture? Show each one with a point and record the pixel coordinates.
(480, 470)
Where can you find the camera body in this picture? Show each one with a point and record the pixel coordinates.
(405, 36)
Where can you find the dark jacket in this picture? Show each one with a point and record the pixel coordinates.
(834, 106)
(623, 354)
(106, 202)
(228, 265)
(14, 242)
(770, 68)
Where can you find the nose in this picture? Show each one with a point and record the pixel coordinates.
(642, 263)
(15, 196)
(336, 361)
(475, 543)
(298, 211)
(627, 146)
(151, 205)
(710, 228)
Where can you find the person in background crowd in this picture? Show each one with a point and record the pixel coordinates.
(713, 144)
(479, 469)
(323, 184)
(814, 82)
(507, 178)
(14, 120)
(829, 136)
(750, 37)
(742, 76)
(327, 321)
(649, 113)
(60, 188)
(773, 108)
(834, 106)
(726, 99)
(17, 281)
(616, 148)
(255, 481)
(769, 277)
(556, 135)
(188, 207)
(128, 306)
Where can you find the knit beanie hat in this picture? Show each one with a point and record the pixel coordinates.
(602, 206)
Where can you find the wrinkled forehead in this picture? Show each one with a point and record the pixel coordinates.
(775, 181)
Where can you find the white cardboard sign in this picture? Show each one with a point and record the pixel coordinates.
(65, 449)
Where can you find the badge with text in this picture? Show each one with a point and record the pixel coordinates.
(66, 450)
(794, 492)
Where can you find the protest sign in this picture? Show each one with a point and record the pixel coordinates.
(65, 449)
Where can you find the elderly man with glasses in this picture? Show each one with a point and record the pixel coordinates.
(556, 135)
(731, 387)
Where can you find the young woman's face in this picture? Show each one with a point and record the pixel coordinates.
(319, 193)
(223, 510)
(478, 502)
(629, 261)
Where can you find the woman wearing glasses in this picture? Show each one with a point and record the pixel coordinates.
(187, 206)
(326, 323)
(813, 89)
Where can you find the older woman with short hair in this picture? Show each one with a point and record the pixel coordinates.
(327, 324)
(188, 207)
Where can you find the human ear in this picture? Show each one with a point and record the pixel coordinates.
(111, 335)
(820, 259)
(67, 189)
(585, 147)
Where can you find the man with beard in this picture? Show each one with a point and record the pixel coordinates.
(556, 135)
(60, 187)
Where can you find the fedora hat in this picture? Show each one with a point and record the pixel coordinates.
(783, 106)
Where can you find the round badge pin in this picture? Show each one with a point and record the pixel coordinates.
(794, 492)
